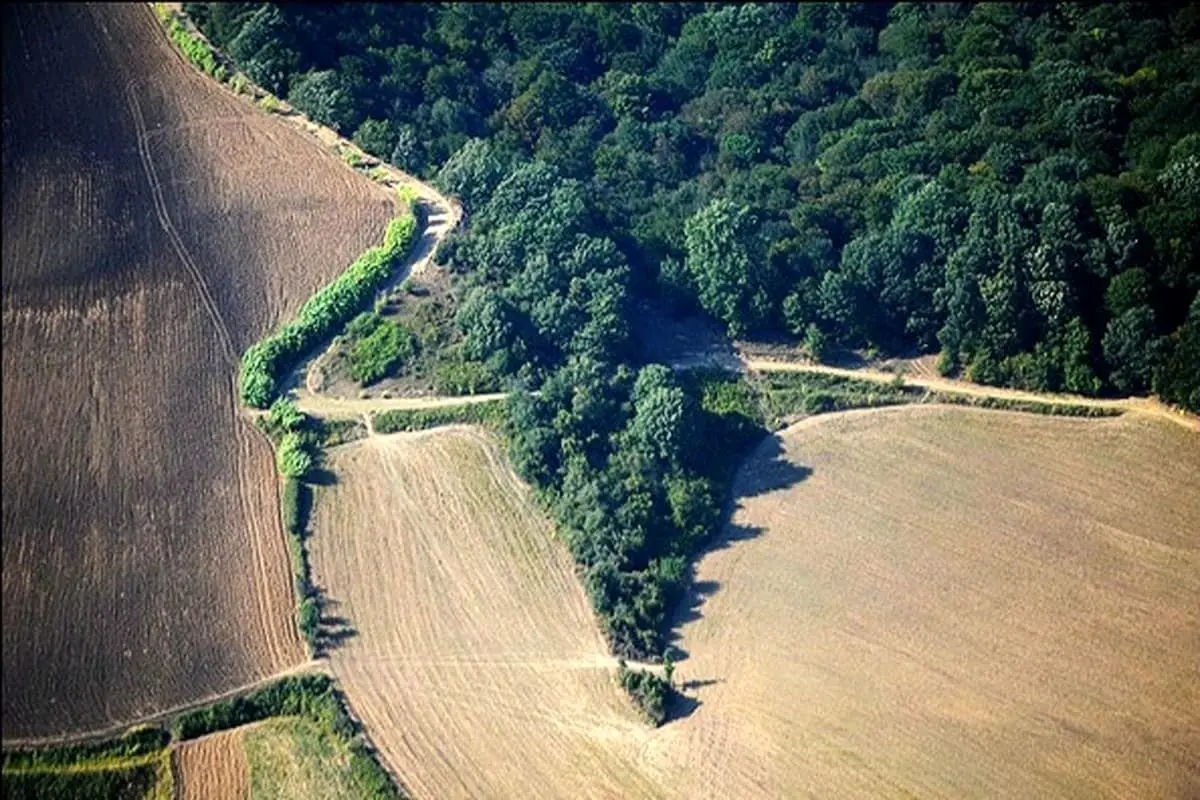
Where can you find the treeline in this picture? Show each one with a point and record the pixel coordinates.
(298, 441)
(1016, 187)
(269, 360)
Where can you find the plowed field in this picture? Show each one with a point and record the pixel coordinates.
(154, 225)
(212, 767)
(475, 662)
(953, 603)
(924, 601)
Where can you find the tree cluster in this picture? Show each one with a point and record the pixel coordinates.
(1015, 186)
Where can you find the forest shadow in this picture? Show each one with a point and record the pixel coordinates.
(766, 470)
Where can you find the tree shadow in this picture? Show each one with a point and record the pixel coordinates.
(681, 707)
(332, 629)
(320, 476)
(766, 470)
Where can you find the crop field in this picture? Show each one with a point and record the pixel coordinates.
(154, 225)
(212, 766)
(924, 601)
(936, 602)
(469, 650)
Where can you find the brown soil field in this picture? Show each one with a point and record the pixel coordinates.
(939, 602)
(920, 601)
(212, 767)
(154, 226)
(472, 657)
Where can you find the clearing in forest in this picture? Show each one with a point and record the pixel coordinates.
(154, 226)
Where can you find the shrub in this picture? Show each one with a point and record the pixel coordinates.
(648, 691)
(309, 617)
(292, 458)
(489, 413)
(267, 361)
(285, 417)
(384, 350)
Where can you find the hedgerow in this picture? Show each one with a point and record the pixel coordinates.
(489, 413)
(267, 361)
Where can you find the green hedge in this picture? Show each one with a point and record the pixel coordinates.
(311, 696)
(266, 362)
(490, 413)
(119, 783)
(137, 742)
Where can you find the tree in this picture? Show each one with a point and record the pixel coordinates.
(731, 277)
(323, 97)
(292, 458)
(472, 173)
(1130, 347)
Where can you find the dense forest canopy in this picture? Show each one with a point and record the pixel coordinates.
(1016, 187)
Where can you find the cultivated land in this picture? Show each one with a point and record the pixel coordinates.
(154, 227)
(474, 660)
(927, 600)
(212, 767)
(944, 602)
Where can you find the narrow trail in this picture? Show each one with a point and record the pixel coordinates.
(314, 665)
(164, 219)
(319, 404)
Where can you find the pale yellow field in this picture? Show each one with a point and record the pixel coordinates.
(475, 664)
(926, 601)
(954, 603)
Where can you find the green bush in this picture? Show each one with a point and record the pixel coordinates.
(309, 618)
(311, 696)
(266, 362)
(119, 783)
(649, 692)
(489, 413)
(285, 417)
(463, 377)
(387, 348)
(292, 458)
(137, 742)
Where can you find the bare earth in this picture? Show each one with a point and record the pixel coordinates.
(475, 664)
(212, 767)
(954, 603)
(153, 227)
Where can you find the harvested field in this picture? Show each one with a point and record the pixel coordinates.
(212, 767)
(939, 602)
(154, 226)
(474, 660)
(919, 601)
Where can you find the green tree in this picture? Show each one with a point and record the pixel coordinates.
(292, 458)
(731, 276)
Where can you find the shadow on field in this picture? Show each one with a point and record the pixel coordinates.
(332, 629)
(766, 470)
(319, 476)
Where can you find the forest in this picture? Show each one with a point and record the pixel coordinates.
(1015, 187)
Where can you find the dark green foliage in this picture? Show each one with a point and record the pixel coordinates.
(489, 413)
(999, 183)
(650, 692)
(137, 742)
(297, 502)
(267, 361)
(128, 783)
(380, 348)
(312, 696)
